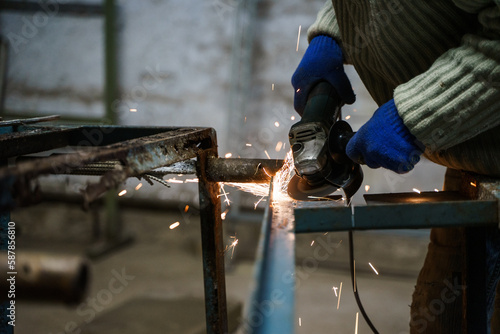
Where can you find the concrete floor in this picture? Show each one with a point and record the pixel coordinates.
(165, 265)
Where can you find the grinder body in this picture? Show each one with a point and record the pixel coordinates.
(318, 143)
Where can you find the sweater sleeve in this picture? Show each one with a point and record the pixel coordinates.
(325, 24)
(458, 97)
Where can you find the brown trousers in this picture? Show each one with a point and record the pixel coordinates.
(437, 299)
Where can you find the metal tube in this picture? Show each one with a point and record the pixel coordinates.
(46, 277)
(242, 170)
(218, 169)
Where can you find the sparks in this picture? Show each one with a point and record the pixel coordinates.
(232, 246)
(245, 119)
(375, 270)
(347, 117)
(340, 293)
(292, 118)
(228, 155)
(312, 243)
(174, 180)
(174, 225)
(280, 183)
(279, 145)
(186, 208)
(257, 203)
(356, 326)
(137, 187)
(195, 180)
(334, 288)
(367, 187)
(223, 215)
(298, 38)
(267, 154)
(133, 110)
(436, 190)
(416, 190)
(123, 192)
(248, 144)
(473, 184)
(272, 87)
(277, 124)
(226, 199)
(298, 90)
(300, 321)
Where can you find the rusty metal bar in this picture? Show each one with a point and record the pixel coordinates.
(212, 245)
(137, 156)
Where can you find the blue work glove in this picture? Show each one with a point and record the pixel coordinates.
(321, 62)
(384, 141)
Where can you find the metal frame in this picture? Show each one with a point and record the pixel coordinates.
(139, 150)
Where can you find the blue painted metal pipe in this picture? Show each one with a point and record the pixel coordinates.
(272, 305)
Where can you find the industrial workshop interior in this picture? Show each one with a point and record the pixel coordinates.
(148, 182)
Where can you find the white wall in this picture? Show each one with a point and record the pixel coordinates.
(175, 68)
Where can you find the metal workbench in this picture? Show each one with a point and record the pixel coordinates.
(135, 152)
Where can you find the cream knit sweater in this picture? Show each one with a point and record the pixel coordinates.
(439, 60)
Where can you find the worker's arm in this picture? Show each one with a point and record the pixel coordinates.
(458, 97)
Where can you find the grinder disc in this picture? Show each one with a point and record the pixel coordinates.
(300, 190)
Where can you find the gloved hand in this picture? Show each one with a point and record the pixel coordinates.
(322, 61)
(384, 141)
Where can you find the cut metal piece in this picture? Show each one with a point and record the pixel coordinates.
(47, 277)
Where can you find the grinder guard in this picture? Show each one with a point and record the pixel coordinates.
(318, 146)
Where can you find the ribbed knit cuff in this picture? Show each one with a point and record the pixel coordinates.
(325, 24)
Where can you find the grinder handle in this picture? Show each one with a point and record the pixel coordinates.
(323, 105)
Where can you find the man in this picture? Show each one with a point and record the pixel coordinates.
(433, 67)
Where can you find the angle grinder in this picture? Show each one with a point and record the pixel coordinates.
(318, 144)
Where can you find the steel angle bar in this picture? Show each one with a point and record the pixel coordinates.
(271, 307)
(399, 211)
(322, 216)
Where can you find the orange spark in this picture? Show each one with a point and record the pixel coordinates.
(375, 270)
(137, 187)
(298, 38)
(174, 225)
(123, 192)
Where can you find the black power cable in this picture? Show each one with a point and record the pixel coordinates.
(355, 286)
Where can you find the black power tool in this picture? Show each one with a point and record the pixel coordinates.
(318, 144)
